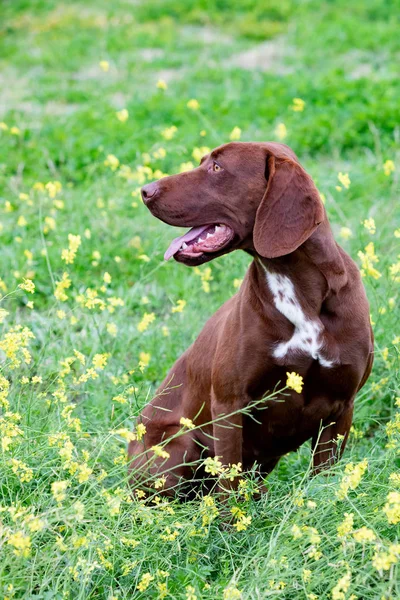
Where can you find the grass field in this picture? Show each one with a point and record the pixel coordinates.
(94, 102)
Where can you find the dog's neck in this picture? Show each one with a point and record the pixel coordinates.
(316, 268)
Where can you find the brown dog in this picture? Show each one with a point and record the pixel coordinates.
(302, 307)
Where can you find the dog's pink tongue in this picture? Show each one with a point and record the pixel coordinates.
(188, 237)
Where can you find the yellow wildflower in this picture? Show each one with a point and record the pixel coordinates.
(232, 593)
(22, 222)
(23, 472)
(370, 226)
(205, 276)
(180, 305)
(99, 361)
(351, 479)
(306, 575)
(199, 152)
(21, 542)
(344, 179)
(83, 472)
(160, 482)
(112, 162)
(145, 581)
(104, 65)
(368, 259)
(68, 254)
(235, 134)
(53, 188)
(342, 586)
(161, 84)
(392, 508)
(296, 531)
(345, 233)
(281, 131)
(160, 153)
(187, 423)
(147, 319)
(298, 105)
(112, 329)
(169, 132)
(27, 286)
(144, 359)
(61, 286)
(140, 430)
(193, 104)
(122, 115)
(186, 166)
(294, 382)
(127, 435)
(346, 526)
(364, 534)
(58, 489)
(382, 561)
(213, 465)
(190, 593)
(388, 167)
(158, 451)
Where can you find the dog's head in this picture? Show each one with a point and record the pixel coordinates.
(252, 196)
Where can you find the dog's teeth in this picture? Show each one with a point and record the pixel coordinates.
(184, 246)
(217, 228)
(201, 239)
(209, 235)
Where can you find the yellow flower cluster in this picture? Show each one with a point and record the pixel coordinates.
(235, 134)
(294, 382)
(199, 152)
(352, 478)
(68, 254)
(122, 115)
(23, 472)
(298, 105)
(205, 275)
(21, 543)
(383, 560)
(368, 259)
(392, 508)
(281, 131)
(179, 306)
(147, 319)
(169, 132)
(342, 587)
(9, 430)
(61, 286)
(370, 226)
(242, 521)
(15, 343)
(188, 423)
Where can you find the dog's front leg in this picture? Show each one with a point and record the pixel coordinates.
(228, 436)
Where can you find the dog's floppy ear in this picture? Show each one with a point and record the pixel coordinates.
(291, 208)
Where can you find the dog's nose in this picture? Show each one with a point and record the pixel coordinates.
(149, 191)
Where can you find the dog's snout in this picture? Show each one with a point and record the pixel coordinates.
(149, 191)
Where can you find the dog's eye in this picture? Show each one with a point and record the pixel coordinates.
(216, 167)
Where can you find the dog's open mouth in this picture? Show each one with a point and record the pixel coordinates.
(199, 240)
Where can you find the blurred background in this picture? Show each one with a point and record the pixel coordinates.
(97, 98)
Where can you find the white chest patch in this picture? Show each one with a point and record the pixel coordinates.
(307, 336)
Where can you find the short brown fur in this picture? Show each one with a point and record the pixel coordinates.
(274, 210)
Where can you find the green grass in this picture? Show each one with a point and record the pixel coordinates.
(341, 58)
